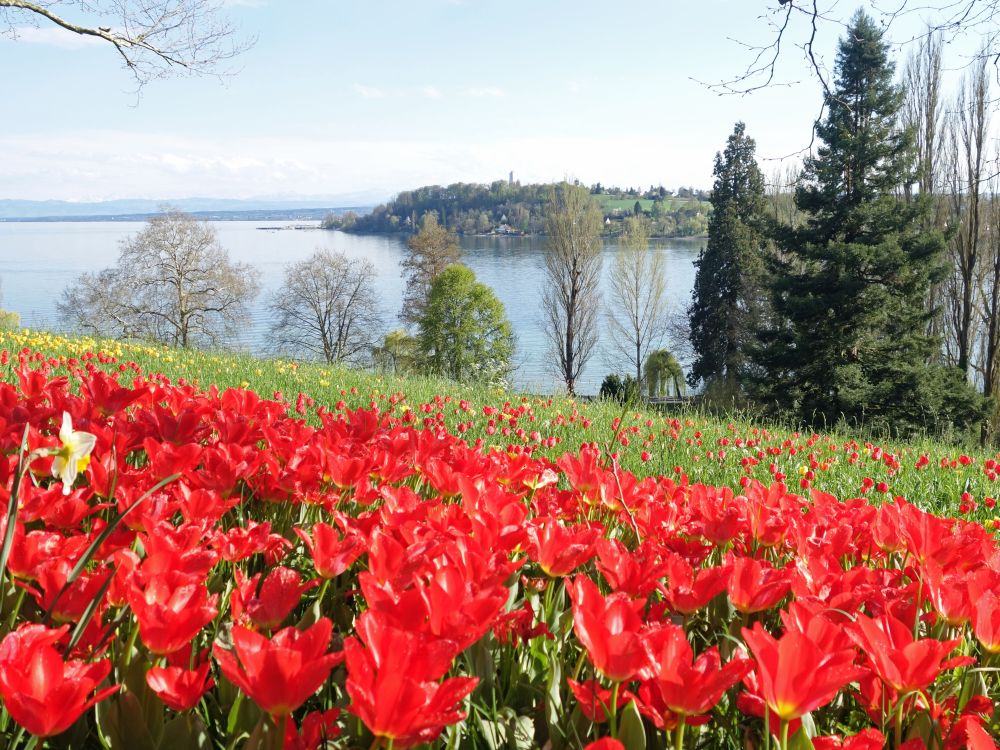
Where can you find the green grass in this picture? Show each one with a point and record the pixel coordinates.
(683, 443)
(609, 203)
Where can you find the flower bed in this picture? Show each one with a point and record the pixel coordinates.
(188, 568)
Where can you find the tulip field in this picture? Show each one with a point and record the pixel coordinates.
(209, 551)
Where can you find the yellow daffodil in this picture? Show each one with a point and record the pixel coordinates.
(74, 455)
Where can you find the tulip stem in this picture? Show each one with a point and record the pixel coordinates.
(679, 733)
(784, 734)
(898, 732)
(613, 710)
(130, 647)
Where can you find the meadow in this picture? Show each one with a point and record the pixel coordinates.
(211, 551)
(942, 477)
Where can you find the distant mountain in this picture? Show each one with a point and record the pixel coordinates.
(19, 210)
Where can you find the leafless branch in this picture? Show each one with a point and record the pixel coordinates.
(154, 38)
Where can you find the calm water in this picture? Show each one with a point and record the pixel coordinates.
(38, 260)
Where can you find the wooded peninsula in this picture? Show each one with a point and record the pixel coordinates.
(506, 207)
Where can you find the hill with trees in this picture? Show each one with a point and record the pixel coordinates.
(505, 207)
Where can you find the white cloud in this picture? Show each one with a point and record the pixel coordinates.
(431, 92)
(107, 164)
(54, 37)
(368, 92)
(483, 92)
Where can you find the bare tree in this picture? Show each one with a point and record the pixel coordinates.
(94, 304)
(990, 305)
(923, 115)
(638, 314)
(800, 25)
(431, 251)
(154, 38)
(173, 282)
(967, 162)
(922, 111)
(328, 308)
(572, 296)
(780, 194)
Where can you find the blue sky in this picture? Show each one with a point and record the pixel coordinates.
(378, 96)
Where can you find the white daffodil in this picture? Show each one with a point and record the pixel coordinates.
(74, 456)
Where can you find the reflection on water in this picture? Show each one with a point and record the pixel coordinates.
(38, 260)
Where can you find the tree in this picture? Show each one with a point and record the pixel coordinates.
(464, 333)
(801, 25)
(154, 38)
(966, 164)
(728, 298)
(432, 250)
(399, 353)
(638, 315)
(173, 283)
(662, 370)
(328, 308)
(923, 114)
(849, 340)
(572, 295)
(990, 310)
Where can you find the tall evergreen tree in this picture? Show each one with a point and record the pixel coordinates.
(728, 297)
(849, 295)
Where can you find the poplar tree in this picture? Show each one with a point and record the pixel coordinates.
(728, 299)
(849, 340)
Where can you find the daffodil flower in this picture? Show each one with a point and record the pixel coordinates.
(74, 455)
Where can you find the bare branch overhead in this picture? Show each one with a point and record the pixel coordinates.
(154, 38)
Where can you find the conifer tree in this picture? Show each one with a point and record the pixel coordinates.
(849, 339)
(728, 297)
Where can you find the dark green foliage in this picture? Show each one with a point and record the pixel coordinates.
(728, 301)
(464, 333)
(623, 390)
(848, 340)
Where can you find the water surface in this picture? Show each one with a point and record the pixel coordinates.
(39, 259)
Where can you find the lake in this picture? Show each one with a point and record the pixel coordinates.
(39, 259)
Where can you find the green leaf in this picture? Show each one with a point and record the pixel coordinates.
(631, 730)
(185, 732)
(120, 720)
(800, 740)
(265, 736)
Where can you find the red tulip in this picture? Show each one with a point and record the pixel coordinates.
(176, 685)
(688, 686)
(331, 553)
(797, 674)
(42, 692)
(317, 727)
(687, 593)
(279, 673)
(267, 604)
(986, 621)
(594, 700)
(171, 608)
(609, 628)
(901, 662)
(866, 739)
(560, 550)
(755, 586)
(393, 681)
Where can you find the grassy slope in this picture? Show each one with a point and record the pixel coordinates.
(701, 447)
